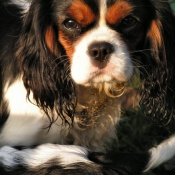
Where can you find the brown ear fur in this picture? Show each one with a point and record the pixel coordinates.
(155, 36)
(50, 38)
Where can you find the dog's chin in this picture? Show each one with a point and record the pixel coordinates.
(105, 84)
(97, 80)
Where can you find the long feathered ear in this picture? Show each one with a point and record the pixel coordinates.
(44, 69)
(158, 73)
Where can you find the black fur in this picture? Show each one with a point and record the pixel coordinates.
(8, 66)
(4, 111)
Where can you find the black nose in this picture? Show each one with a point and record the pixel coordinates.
(100, 51)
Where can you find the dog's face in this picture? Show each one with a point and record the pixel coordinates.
(98, 37)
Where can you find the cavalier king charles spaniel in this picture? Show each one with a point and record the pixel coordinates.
(64, 66)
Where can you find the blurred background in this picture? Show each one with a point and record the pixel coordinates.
(173, 4)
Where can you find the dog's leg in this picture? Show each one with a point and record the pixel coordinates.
(64, 159)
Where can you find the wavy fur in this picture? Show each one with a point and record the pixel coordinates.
(157, 90)
(44, 73)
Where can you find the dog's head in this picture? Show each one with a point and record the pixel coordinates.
(90, 42)
(96, 51)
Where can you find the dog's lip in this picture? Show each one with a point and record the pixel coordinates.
(106, 75)
(107, 70)
(96, 73)
(100, 76)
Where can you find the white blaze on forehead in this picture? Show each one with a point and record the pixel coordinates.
(119, 66)
(103, 10)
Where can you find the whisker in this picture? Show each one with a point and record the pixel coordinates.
(67, 74)
(142, 50)
(62, 61)
(59, 58)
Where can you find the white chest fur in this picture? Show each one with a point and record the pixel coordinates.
(26, 124)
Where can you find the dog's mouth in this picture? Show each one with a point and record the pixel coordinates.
(115, 70)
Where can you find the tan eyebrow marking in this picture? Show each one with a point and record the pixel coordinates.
(66, 43)
(81, 12)
(118, 11)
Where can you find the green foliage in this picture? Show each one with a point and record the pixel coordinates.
(172, 2)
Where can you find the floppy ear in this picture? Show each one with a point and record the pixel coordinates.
(44, 69)
(158, 73)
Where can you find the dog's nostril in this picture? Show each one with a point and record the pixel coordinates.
(100, 51)
(94, 53)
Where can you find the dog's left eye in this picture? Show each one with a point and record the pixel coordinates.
(71, 25)
(129, 21)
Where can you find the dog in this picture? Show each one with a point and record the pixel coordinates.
(64, 67)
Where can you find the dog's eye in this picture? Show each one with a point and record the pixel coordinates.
(71, 25)
(129, 21)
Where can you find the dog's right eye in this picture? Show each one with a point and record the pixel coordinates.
(129, 22)
(72, 25)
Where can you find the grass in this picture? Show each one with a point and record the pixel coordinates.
(136, 133)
